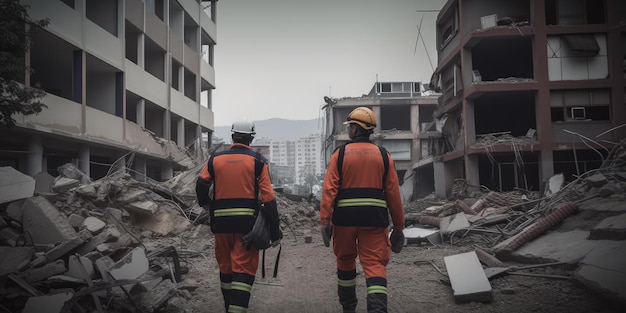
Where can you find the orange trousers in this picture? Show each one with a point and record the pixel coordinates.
(370, 244)
(232, 256)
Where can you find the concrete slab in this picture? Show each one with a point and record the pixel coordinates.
(611, 228)
(131, 266)
(43, 182)
(74, 267)
(15, 210)
(452, 223)
(12, 257)
(609, 204)
(15, 185)
(468, 278)
(44, 224)
(93, 224)
(604, 270)
(53, 303)
(417, 235)
(63, 184)
(560, 247)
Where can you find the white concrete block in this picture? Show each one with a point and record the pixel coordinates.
(15, 185)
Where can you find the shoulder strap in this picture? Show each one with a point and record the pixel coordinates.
(383, 152)
(258, 166)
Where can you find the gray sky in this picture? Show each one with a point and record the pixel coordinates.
(279, 58)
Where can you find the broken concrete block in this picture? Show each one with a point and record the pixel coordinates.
(93, 224)
(51, 303)
(153, 298)
(12, 257)
(468, 278)
(417, 235)
(102, 265)
(131, 266)
(63, 248)
(63, 184)
(452, 223)
(74, 267)
(15, 210)
(43, 182)
(177, 305)
(76, 220)
(612, 228)
(44, 224)
(70, 170)
(14, 185)
(554, 185)
(596, 180)
(142, 207)
(108, 234)
(86, 191)
(10, 236)
(40, 273)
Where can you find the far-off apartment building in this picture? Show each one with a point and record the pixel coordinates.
(120, 76)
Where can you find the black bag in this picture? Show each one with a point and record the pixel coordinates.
(260, 233)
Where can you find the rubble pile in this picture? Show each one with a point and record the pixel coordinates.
(110, 245)
(580, 225)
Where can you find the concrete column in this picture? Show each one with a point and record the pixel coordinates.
(180, 138)
(141, 53)
(34, 160)
(167, 171)
(546, 169)
(84, 163)
(416, 149)
(167, 132)
(440, 179)
(472, 175)
(139, 166)
(141, 113)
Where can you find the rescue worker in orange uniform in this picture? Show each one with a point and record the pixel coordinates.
(361, 190)
(241, 187)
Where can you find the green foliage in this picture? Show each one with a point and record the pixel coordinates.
(16, 29)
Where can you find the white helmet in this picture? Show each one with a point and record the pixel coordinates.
(243, 127)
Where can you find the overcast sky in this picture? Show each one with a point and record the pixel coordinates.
(279, 58)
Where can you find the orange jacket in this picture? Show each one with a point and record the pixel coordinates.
(362, 170)
(235, 203)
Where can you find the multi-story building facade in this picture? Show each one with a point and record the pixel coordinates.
(283, 153)
(402, 111)
(309, 160)
(529, 89)
(120, 76)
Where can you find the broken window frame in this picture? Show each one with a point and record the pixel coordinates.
(448, 28)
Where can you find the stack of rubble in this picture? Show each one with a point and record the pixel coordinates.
(68, 242)
(580, 225)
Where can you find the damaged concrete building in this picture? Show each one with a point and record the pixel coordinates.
(402, 111)
(120, 77)
(529, 89)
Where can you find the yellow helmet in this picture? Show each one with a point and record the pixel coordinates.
(363, 117)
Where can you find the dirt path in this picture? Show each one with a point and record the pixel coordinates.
(306, 282)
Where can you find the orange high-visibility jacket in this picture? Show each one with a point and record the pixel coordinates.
(359, 197)
(235, 203)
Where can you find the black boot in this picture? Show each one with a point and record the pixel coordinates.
(346, 289)
(376, 295)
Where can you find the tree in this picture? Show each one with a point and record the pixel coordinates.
(16, 29)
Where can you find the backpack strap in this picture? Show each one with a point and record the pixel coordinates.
(340, 156)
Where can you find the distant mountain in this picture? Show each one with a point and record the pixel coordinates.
(278, 129)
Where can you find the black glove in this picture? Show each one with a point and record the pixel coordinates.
(327, 232)
(397, 240)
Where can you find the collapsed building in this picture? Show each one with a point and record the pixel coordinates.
(524, 90)
(120, 77)
(528, 89)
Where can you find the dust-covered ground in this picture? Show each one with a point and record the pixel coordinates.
(306, 281)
